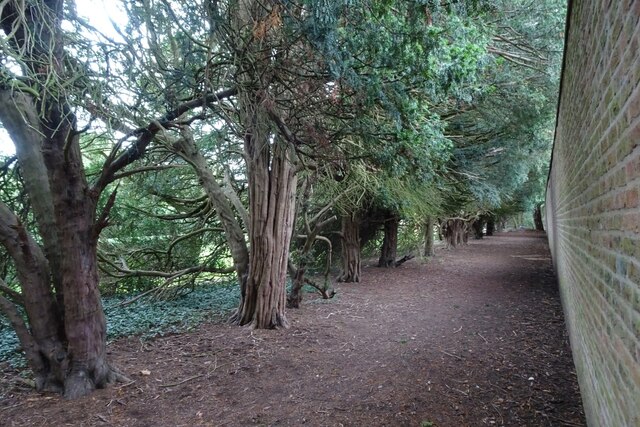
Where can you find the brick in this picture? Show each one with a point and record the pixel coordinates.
(593, 205)
(631, 198)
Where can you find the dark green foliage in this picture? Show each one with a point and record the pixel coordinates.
(144, 317)
(9, 345)
(503, 138)
(412, 108)
(152, 318)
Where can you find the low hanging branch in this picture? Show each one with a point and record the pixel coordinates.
(13, 295)
(171, 277)
(179, 239)
(169, 284)
(298, 273)
(144, 136)
(124, 272)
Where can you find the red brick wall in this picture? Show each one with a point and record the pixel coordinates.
(593, 213)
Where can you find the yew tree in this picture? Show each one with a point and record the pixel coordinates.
(503, 134)
(42, 89)
(404, 61)
(65, 340)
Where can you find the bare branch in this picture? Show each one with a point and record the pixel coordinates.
(14, 295)
(144, 169)
(27, 342)
(103, 220)
(146, 135)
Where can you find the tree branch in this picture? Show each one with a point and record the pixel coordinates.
(189, 235)
(14, 295)
(168, 275)
(103, 220)
(27, 342)
(145, 135)
(143, 169)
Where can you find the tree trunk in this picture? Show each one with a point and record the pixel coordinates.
(73, 215)
(491, 225)
(389, 250)
(455, 232)
(465, 231)
(428, 238)
(294, 299)
(351, 265)
(234, 234)
(537, 217)
(270, 172)
(447, 233)
(478, 226)
(272, 189)
(42, 341)
(74, 207)
(44, 130)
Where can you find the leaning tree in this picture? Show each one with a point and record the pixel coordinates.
(45, 87)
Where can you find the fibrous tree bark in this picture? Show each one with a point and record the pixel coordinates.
(351, 264)
(65, 340)
(272, 185)
(271, 165)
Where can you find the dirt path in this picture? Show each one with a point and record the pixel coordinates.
(475, 337)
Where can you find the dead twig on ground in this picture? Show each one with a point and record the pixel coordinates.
(183, 381)
(452, 355)
(8, 408)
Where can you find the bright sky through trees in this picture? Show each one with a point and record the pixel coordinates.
(99, 13)
(187, 141)
(6, 146)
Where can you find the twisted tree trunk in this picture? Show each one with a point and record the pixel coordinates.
(272, 189)
(351, 264)
(66, 207)
(234, 234)
(455, 231)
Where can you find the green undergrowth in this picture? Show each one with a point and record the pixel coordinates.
(149, 318)
(9, 345)
(145, 317)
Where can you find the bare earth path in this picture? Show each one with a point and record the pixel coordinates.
(475, 337)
